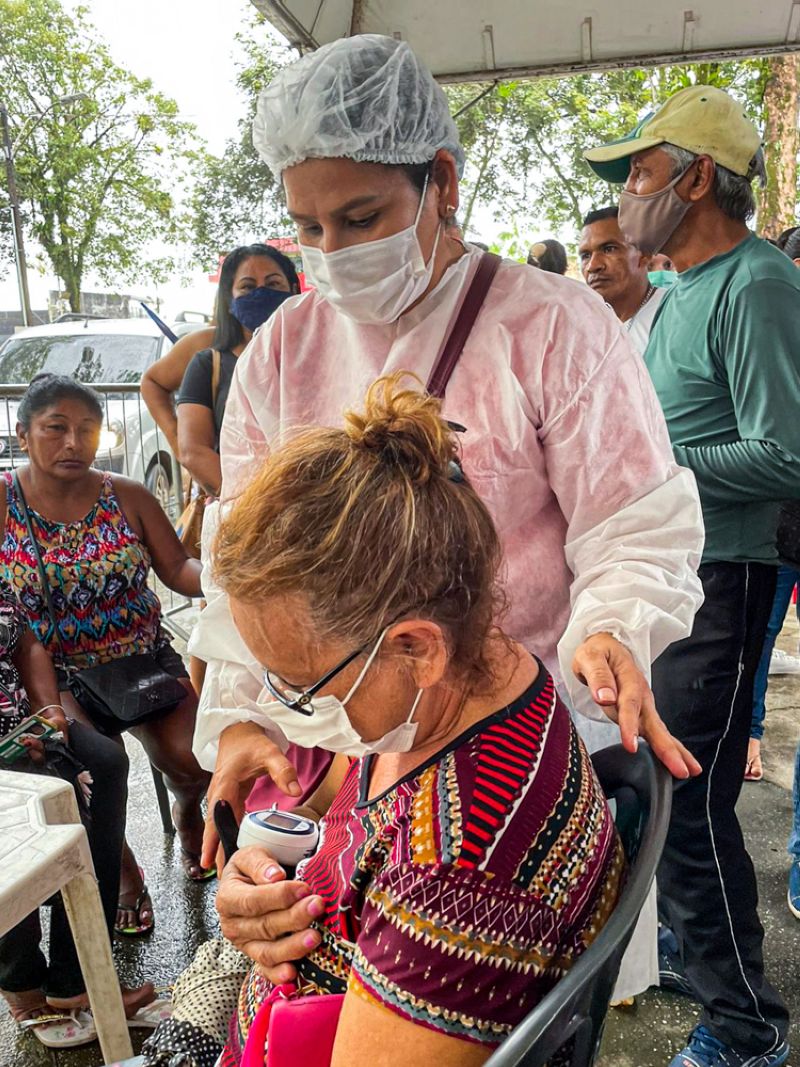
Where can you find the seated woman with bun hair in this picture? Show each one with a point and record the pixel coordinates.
(467, 853)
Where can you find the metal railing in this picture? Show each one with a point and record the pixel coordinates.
(133, 445)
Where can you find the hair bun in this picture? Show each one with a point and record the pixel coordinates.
(404, 426)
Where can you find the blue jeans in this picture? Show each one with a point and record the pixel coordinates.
(788, 578)
(794, 837)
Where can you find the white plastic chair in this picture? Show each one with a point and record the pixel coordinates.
(44, 850)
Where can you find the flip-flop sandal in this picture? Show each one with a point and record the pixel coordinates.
(141, 929)
(192, 859)
(63, 1030)
(148, 1017)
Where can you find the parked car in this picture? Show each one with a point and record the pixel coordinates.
(100, 352)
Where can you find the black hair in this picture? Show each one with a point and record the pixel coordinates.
(791, 244)
(46, 389)
(416, 173)
(229, 332)
(553, 259)
(600, 214)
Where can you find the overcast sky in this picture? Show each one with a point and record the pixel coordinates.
(186, 47)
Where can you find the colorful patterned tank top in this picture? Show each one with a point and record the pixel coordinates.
(97, 569)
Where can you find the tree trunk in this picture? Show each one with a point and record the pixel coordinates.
(777, 203)
(72, 282)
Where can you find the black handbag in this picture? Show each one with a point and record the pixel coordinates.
(788, 538)
(119, 694)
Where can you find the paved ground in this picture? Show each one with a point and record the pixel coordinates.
(645, 1037)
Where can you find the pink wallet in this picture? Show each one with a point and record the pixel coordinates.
(293, 1031)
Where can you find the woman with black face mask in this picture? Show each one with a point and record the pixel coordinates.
(254, 281)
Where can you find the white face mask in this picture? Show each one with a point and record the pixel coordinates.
(373, 282)
(329, 728)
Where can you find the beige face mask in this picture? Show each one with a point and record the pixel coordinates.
(649, 221)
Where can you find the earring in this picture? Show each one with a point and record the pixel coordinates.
(451, 210)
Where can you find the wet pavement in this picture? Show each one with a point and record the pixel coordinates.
(647, 1036)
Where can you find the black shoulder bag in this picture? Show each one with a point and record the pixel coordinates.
(123, 692)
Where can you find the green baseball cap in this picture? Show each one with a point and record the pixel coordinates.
(700, 119)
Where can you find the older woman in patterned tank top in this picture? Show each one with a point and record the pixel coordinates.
(98, 536)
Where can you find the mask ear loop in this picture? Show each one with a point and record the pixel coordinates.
(414, 706)
(423, 263)
(366, 666)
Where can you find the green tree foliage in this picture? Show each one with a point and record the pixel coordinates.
(524, 143)
(100, 178)
(236, 199)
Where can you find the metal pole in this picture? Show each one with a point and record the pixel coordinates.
(19, 243)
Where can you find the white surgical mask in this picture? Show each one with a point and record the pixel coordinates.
(329, 728)
(373, 282)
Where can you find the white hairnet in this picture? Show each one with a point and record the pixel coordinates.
(366, 97)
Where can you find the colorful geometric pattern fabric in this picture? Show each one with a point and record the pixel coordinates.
(14, 704)
(97, 569)
(458, 898)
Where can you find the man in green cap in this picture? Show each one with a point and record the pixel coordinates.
(725, 360)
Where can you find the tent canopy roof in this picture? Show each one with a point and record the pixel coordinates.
(483, 40)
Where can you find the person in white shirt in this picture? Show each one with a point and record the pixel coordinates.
(617, 271)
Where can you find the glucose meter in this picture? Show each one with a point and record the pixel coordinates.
(288, 838)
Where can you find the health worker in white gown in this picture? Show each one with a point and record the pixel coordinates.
(564, 438)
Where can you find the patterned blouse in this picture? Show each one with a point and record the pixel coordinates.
(97, 569)
(458, 897)
(14, 705)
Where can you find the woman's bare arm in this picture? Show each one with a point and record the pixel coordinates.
(163, 379)
(371, 1034)
(196, 434)
(171, 562)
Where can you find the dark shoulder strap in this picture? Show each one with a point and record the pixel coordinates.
(38, 556)
(462, 327)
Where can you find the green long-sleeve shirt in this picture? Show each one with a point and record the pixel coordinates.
(724, 356)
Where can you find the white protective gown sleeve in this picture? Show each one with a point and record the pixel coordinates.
(634, 578)
(233, 690)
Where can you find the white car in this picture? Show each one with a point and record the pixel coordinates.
(102, 353)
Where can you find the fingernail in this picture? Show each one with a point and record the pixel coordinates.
(310, 940)
(635, 742)
(316, 907)
(272, 872)
(606, 694)
(301, 891)
(294, 789)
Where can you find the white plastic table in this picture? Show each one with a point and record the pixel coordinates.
(44, 850)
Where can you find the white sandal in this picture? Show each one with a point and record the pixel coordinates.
(148, 1017)
(62, 1029)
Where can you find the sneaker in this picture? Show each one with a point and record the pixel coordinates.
(794, 889)
(671, 975)
(705, 1050)
(782, 663)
